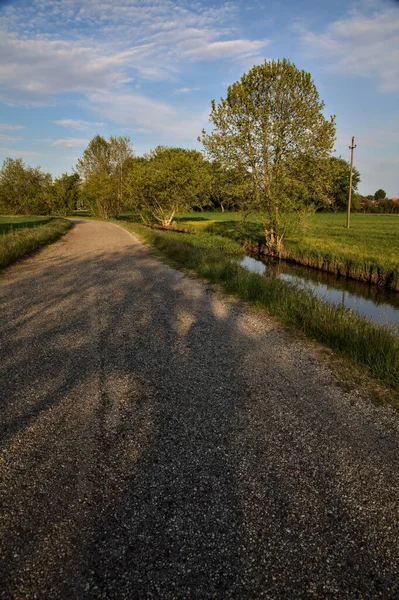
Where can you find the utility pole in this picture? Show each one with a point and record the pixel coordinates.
(348, 217)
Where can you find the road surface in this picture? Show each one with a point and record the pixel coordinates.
(158, 441)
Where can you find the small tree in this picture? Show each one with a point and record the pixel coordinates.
(102, 170)
(167, 181)
(380, 195)
(272, 126)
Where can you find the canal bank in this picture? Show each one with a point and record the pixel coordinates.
(378, 304)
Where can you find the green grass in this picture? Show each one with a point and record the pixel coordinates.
(373, 347)
(368, 251)
(8, 224)
(19, 241)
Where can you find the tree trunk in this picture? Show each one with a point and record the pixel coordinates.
(274, 242)
(168, 219)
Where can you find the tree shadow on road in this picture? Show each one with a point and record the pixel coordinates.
(154, 445)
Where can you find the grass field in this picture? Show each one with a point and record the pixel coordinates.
(20, 236)
(212, 257)
(368, 251)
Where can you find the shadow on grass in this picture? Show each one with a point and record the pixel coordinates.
(148, 448)
(21, 223)
(238, 231)
(193, 219)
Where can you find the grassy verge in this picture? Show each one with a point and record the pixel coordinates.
(9, 224)
(368, 251)
(21, 242)
(373, 347)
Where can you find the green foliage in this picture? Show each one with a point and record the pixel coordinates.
(23, 241)
(65, 194)
(27, 190)
(340, 179)
(166, 181)
(24, 189)
(103, 168)
(380, 195)
(230, 187)
(271, 126)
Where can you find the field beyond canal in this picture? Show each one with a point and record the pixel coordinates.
(368, 251)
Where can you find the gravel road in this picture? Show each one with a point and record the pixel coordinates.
(158, 441)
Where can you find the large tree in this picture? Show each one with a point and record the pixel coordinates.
(167, 181)
(102, 168)
(271, 124)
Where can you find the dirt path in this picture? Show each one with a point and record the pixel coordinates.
(159, 442)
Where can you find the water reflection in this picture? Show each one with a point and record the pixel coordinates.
(378, 304)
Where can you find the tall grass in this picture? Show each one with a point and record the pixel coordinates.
(22, 242)
(370, 345)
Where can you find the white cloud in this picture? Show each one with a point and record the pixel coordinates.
(78, 124)
(103, 50)
(69, 142)
(9, 138)
(365, 44)
(107, 45)
(198, 50)
(4, 126)
(141, 113)
(19, 153)
(34, 70)
(186, 90)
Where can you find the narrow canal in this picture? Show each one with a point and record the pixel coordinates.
(377, 304)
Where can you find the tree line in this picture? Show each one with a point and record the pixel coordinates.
(270, 150)
(26, 190)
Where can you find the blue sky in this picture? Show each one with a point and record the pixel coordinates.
(149, 69)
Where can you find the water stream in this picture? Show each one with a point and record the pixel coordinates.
(377, 304)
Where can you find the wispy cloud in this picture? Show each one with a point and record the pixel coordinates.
(366, 44)
(7, 126)
(78, 124)
(33, 71)
(198, 50)
(140, 113)
(50, 47)
(69, 142)
(186, 90)
(14, 152)
(9, 138)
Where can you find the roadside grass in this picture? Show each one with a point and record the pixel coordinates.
(352, 336)
(368, 251)
(8, 224)
(23, 241)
